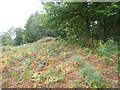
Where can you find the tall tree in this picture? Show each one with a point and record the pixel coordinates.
(6, 39)
(86, 19)
(19, 36)
(33, 28)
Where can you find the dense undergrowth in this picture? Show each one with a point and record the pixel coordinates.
(51, 62)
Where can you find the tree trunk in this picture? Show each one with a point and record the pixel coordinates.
(105, 30)
(88, 25)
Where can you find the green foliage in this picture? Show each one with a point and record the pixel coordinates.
(75, 84)
(26, 75)
(27, 62)
(118, 67)
(40, 66)
(52, 76)
(19, 36)
(78, 60)
(36, 62)
(40, 77)
(90, 20)
(33, 28)
(6, 39)
(74, 21)
(108, 49)
(5, 48)
(92, 77)
(82, 23)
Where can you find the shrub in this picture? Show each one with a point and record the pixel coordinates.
(52, 76)
(108, 49)
(75, 84)
(26, 74)
(78, 59)
(92, 77)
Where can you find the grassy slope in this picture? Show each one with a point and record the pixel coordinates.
(51, 63)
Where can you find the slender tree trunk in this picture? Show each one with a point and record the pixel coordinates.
(87, 18)
(105, 30)
(88, 25)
